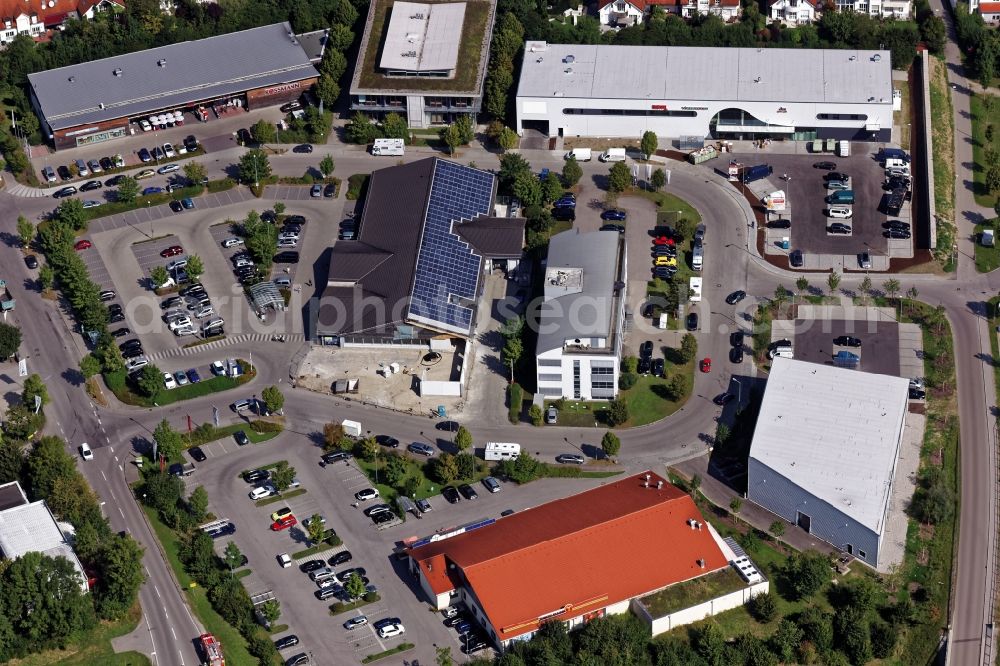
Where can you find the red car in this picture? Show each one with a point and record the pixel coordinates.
(82, 245)
(706, 364)
(172, 251)
(663, 240)
(284, 523)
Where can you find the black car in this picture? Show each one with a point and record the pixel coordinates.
(244, 136)
(646, 349)
(335, 456)
(450, 494)
(31, 261)
(386, 440)
(780, 343)
(290, 228)
(795, 259)
(295, 219)
(780, 224)
(91, 185)
(176, 206)
(826, 166)
(116, 317)
(665, 272)
(114, 307)
(468, 492)
(847, 341)
(474, 644)
(64, 192)
(241, 437)
(736, 338)
(222, 530)
(286, 258)
(564, 214)
(172, 302)
(196, 288)
(736, 297)
(114, 180)
(917, 394)
(896, 224)
(64, 173)
(343, 557)
(456, 620)
(145, 155)
(736, 355)
(286, 642)
(329, 190)
(130, 344)
(723, 399)
(836, 175)
(303, 148)
(692, 321)
(326, 593)
(838, 228)
(613, 227)
(664, 251)
(120, 332)
(133, 352)
(197, 454)
(896, 233)
(644, 366)
(658, 369)
(190, 143)
(311, 565)
(255, 475)
(614, 215)
(291, 106)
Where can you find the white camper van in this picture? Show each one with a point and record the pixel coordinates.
(501, 451)
(388, 147)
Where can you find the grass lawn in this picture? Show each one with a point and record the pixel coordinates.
(311, 550)
(402, 647)
(987, 258)
(943, 143)
(116, 383)
(427, 488)
(229, 430)
(282, 497)
(95, 648)
(693, 592)
(981, 119)
(902, 117)
(341, 607)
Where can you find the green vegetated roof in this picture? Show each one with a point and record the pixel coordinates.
(693, 592)
(473, 53)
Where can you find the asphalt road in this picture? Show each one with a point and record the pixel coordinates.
(54, 352)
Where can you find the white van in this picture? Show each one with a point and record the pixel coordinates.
(694, 289)
(501, 451)
(580, 154)
(388, 147)
(844, 149)
(783, 352)
(613, 155)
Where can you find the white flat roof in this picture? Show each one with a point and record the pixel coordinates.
(32, 528)
(833, 432)
(423, 37)
(693, 73)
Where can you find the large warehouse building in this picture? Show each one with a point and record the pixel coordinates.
(622, 91)
(106, 99)
(825, 451)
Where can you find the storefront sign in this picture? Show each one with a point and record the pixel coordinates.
(659, 107)
(694, 108)
(277, 90)
(100, 137)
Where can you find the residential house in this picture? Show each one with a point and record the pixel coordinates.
(793, 12)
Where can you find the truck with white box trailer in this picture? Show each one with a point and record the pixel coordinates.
(613, 155)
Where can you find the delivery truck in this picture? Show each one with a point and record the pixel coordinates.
(613, 155)
(579, 154)
(388, 147)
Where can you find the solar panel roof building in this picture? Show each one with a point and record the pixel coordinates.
(825, 451)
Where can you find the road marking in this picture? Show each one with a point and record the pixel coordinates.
(121, 512)
(156, 589)
(104, 475)
(172, 633)
(181, 656)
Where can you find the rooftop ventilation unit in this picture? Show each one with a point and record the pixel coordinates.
(72, 79)
(876, 58)
(568, 70)
(569, 60)
(118, 71)
(161, 62)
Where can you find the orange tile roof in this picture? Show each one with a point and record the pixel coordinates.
(576, 554)
(989, 7)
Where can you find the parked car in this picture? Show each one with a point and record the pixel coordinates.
(551, 415)
(355, 622)
(31, 261)
(826, 166)
(839, 228)
(692, 321)
(450, 494)
(366, 494)
(67, 191)
(197, 454)
(286, 642)
(468, 492)
(570, 459)
(847, 341)
(736, 297)
(614, 215)
(841, 212)
(795, 259)
(421, 448)
(723, 399)
(343, 557)
(91, 185)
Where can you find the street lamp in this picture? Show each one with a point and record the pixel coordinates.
(739, 393)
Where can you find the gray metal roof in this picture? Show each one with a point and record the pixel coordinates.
(266, 295)
(833, 432)
(11, 495)
(694, 73)
(171, 76)
(423, 37)
(313, 43)
(31, 528)
(580, 279)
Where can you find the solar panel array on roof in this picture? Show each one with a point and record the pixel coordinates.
(447, 272)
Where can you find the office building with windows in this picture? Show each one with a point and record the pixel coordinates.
(602, 90)
(582, 315)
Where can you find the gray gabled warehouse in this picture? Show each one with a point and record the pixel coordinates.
(825, 452)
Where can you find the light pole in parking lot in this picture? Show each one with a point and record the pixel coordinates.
(739, 394)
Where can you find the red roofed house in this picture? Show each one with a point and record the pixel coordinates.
(629, 12)
(32, 17)
(573, 559)
(990, 11)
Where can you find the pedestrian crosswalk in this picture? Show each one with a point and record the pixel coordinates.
(228, 341)
(19, 190)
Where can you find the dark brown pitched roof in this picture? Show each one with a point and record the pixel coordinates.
(494, 236)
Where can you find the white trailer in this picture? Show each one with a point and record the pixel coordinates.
(501, 451)
(388, 147)
(352, 428)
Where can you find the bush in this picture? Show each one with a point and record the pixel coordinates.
(627, 380)
(260, 645)
(266, 426)
(617, 413)
(762, 607)
(355, 184)
(522, 469)
(806, 573)
(516, 396)
(535, 414)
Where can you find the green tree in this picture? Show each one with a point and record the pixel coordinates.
(263, 131)
(611, 444)
(47, 462)
(195, 267)
(278, 208)
(466, 129)
(883, 640)
(619, 177)
(551, 187)
(833, 281)
(802, 284)
(271, 610)
(121, 576)
(71, 499)
(90, 365)
(512, 351)
(528, 189)
(786, 640)
(512, 165)
(46, 277)
(328, 90)
(710, 643)
(232, 556)
(572, 172)
(443, 656)
(395, 471)
(162, 492)
(507, 139)
(722, 434)
(12, 463)
(617, 412)
(169, 443)
(333, 434)
(777, 528)
(394, 127)
(355, 586)
(535, 415)
(282, 475)
(689, 347)
(360, 129)
(316, 528)
(72, 213)
(194, 172)
(254, 165)
(806, 573)
(463, 438)
(851, 627)
(26, 230)
(159, 275)
(466, 464)
(866, 286)
(735, 505)
(452, 137)
(648, 143)
(128, 190)
(43, 601)
(521, 469)
(763, 607)
(446, 468)
(326, 166)
(891, 287)
(231, 601)
(10, 340)
(21, 422)
(369, 448)
(198, 504)
(273, 399)
(658, 179)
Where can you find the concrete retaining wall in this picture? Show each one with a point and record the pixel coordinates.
(693, 614)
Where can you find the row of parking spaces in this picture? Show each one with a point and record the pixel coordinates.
(143, 218)
(293, 193)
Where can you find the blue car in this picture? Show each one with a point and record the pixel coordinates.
(614, 215)
(564, 203)
(152, 190)
(187, 202)
(193, 376)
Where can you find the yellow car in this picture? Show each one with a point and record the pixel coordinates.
(145, 173)
(665, 261)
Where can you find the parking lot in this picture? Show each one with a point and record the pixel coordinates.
(330, 492)
(812, 341)
(805, 189)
